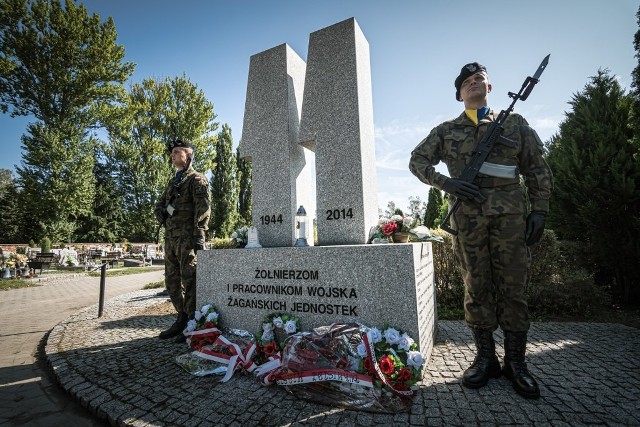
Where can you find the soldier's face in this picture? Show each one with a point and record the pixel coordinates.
(475, 88)
(179, 157)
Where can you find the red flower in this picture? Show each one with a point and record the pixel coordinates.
(368, 365)
(386, 365)
(209, 325)
(405, 374)
(389, 228)
(270, 348)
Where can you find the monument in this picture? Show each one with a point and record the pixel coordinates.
(341, 279)
(281, 168)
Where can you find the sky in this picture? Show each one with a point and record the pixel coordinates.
(417, 49)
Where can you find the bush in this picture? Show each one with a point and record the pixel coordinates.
(45, 245)
(560, 283)
(222, 243)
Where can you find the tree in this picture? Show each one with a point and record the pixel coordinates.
(10, 214)
(154, 114)
(416, 207)
(224, 187)
(57, 63)
(104, 222)
(434, 204)
(391, 209)
(244, 190)
(596, 199)
(57, 179)
(64, 68)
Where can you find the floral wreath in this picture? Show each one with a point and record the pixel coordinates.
(397, 366)
(203, 328)
(276, 328)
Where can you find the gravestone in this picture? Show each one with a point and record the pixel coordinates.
(337, 124)
(281, 169)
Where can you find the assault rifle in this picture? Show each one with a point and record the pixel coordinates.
(492, 136)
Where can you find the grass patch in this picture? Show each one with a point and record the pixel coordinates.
(154, 285)
(6, 284)
(123, 271)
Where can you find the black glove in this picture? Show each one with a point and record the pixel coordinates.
(535, 227)
(198, 243)
(461, 189)
(161, 215)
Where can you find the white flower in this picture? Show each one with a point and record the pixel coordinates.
(354, 363)
(392, 336)
(277, 322)
(383, 220)
(362, 350)
(191, 325)
(376, 336)
(267, 335)
(267, 327)
(234, 235)
(212, 317)
(406, 221)
(415, 359)
(405, 342)
(205, 308)
(396, 218)
(290, 327)
(197, 315)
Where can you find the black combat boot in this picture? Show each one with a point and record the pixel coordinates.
(177, 327)
(486, 364)
(515, 368)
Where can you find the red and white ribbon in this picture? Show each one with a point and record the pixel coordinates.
(237, 358)
(318, 375)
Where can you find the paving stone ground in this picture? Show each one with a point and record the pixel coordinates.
(589, 374)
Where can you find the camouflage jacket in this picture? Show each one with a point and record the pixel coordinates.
(192, 204)
(453, 143)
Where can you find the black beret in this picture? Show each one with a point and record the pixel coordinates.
(466, 72)
(178, 143)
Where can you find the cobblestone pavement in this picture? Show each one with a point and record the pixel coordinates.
(117, 368)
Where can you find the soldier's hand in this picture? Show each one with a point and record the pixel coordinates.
(461, 189)
(198, 243)
(161, 215)
(535, 227)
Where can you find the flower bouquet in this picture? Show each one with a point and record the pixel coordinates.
(240, 236)
(215, 353)
(340, 365)
(276, 328)
(393, 359)
(388, 227)
(203, 328)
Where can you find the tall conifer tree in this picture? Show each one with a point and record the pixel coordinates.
(224, 186)
(596, 200)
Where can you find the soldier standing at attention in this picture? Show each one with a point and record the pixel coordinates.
(491, 246)
(184, 208)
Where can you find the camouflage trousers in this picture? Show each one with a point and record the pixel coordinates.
(180, 273)
(494, 260)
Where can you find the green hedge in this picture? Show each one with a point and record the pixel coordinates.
(560, 284)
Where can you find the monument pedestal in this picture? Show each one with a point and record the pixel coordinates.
(373, 285)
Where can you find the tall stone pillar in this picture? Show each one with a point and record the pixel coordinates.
(337, 124)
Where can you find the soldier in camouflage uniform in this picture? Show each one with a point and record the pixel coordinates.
(184, 209)
(493, 237)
